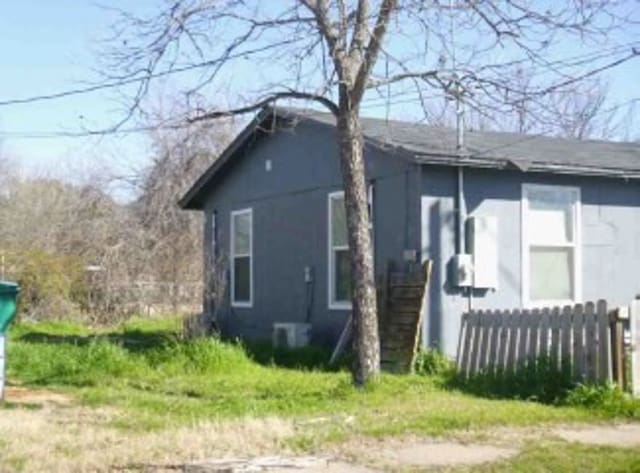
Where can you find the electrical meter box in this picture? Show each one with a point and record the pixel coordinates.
(482, 243)
(462, 270)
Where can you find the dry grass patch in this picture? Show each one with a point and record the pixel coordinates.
(20, 395)
(55, 438)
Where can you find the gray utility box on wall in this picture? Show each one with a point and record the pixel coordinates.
(482, 244)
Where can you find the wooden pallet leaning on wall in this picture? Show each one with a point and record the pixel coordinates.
(576, 338)
(402, 303)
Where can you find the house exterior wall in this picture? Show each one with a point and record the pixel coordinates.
(290, 225)
(414, 208)
(610, 227)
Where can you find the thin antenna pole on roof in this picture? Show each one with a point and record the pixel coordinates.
(457, 86)
(386, 66)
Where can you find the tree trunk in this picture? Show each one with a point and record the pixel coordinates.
(363, 292)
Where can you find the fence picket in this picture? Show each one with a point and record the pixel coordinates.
(566, 339)
(514, 328)
(462, 346)
(634, 326)
(578, 340)
(543, 349)
(604, 343)
(485, 324)
(505, 324)
(492, 362)
(554, 349)
(534, 328)
(524, 338)
(467, 357)
(477, 340)
(590, 341)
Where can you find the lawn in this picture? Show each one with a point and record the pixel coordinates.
(143, 394)
(145, 368)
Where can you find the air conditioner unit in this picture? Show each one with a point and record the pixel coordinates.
(291, 335)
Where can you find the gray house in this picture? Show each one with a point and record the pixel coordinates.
(511, 221)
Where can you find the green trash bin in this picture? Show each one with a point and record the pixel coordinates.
(8, 301)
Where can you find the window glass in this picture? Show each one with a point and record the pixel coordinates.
(339, 223)
(342, 279)
(550, 240)
(551, 274)
(550, 220)
(339, 271)
(242, 229)
(242, 278)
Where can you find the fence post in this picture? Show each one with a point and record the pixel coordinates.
(635, 347)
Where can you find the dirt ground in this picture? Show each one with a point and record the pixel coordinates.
(47, 431)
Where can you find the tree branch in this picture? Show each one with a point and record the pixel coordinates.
(332, 107)
(371, 53)
(374, 82)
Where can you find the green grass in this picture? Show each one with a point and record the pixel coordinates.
(144, 368)
(566, 457)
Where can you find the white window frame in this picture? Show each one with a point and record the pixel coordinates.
(576, 245)
(331, 248)
(234, 255)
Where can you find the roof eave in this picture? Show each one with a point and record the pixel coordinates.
(191, 199)
(503, 163)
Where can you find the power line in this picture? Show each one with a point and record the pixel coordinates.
(44, 135)
(133, 80)
(213, 62)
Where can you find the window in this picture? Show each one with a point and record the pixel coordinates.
(550, 245)
(339, 269)
(242, 258)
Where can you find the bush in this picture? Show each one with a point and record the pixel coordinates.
(52, 287)
(202, 355)
(71, 364)
(432, 362)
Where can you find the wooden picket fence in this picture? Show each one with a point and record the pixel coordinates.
(575, 338)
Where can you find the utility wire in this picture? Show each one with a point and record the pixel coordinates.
(133, 80)
(178, 70)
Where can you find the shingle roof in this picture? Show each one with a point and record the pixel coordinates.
(437, 145)
(497, 149)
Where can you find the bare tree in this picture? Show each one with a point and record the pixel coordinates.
(573, 112)
(174, 237)
(340, 53)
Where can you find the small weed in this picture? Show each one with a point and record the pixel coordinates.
(606, 398)
(432, 362)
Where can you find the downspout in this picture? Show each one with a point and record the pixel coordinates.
(461, 214)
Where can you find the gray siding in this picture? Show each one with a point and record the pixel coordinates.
(610, 240)
(290, 225)
(414, 208)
